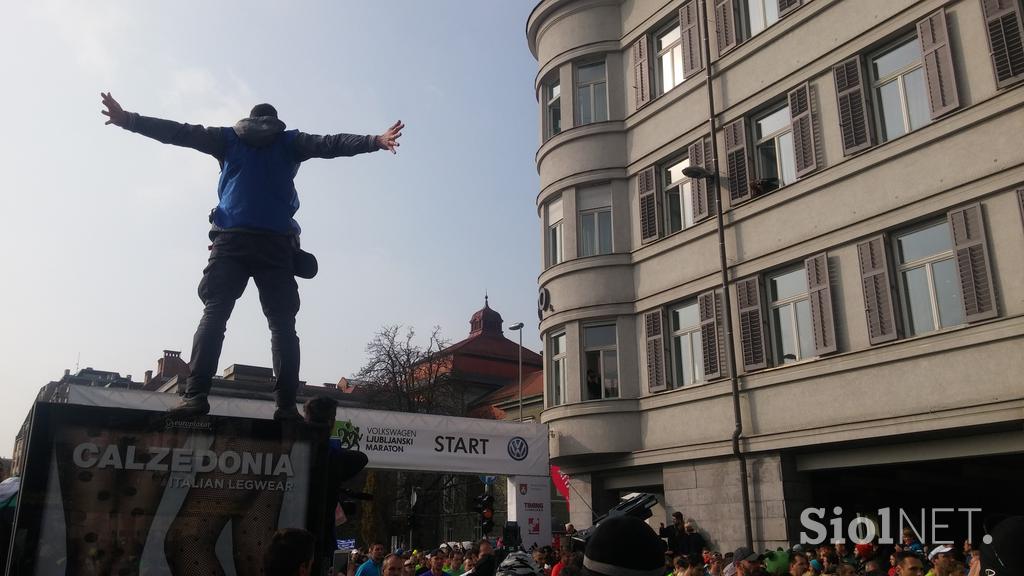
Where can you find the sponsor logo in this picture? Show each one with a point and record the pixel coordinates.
(881, 527)
(518, 449)
(348, 433)
(524, 488)
(171, 424)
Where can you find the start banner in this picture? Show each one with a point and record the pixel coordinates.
(121, 491)
(405, 441)
(391, 440)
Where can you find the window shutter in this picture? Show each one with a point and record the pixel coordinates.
(710, 306)
(820, 292)
(874, 275)
(1005, 39)
(785, 6)
(725, 25)
(736, 161)
(703, 195)
(655, 351)
(748, 296)
(689, 28)
(1020, 200)
(853, 110)
(933, 35)
(641, 73)
(972, 261)
(803, 130)
(648, 193)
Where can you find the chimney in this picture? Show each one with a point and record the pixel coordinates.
(148, 377)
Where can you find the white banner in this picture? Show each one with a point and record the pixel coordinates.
(403, 441)
(529, 505)
(391, 440)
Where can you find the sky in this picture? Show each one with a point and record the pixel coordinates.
(105, 231)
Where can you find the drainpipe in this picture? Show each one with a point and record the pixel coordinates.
(723, 265)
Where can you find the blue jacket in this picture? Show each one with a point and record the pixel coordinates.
(258, 162)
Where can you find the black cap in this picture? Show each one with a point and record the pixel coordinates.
(624, 546)
(263, 110)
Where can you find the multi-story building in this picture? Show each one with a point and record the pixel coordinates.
(866, 351)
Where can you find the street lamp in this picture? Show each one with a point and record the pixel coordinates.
(518, 327)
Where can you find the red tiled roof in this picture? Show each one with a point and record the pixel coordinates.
(493, 346)
(533, 385)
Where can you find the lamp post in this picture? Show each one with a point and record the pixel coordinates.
(518, 327)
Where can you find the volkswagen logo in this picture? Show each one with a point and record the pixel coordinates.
(518, 449)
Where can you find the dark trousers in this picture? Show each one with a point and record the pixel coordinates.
(234, 258)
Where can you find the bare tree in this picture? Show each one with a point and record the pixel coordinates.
(403, 376)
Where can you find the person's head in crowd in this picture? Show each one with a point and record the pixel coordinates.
(829, 563)
(677, 518)
(746, 561)
(690, 526)
(437, 560)
(864, 551)
(570, 529)
(540, 557)
(798, 564)
(872, 566)
(320, 411)
(909, 538)
(908, 564)
(483, 548)
(518, 564)
(624, 545)
(457, 557)
(776, 561)
(377, 552)
(815, 565)
(841, 550)
(290, 553)
(824, 550)
(846, 569)
(679, 563)
(393, 565)
(409, 566)
(715, 563)
(941, 558)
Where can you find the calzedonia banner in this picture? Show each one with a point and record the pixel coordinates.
(400, 440)
(120, 491)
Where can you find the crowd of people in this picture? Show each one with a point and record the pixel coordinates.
(627, 546)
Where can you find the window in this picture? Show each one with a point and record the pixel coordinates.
(677, 196)
(552, 109)
(556, 378)
(669, 45)
(554, 232)
(790, 308)
(594, 205)
(928, 279)
(602, 365)
(687, 354)
(591, 94)
(901, 93)
(773, 151)
(760, 15)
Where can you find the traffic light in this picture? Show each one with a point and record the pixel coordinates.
(484, 506)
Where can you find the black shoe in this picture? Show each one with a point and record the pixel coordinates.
(288, 414)
(191, 407)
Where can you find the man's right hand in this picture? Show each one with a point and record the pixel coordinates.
(114, 112)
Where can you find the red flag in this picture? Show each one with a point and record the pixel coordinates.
(561, 482)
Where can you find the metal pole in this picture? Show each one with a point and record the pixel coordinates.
(723, 265)
(520, 374)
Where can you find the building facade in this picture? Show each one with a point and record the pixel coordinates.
(870, 180)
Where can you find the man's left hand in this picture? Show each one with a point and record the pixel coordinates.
(389, 139)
